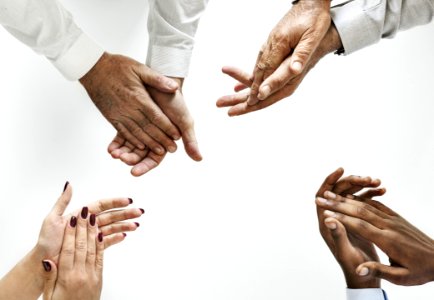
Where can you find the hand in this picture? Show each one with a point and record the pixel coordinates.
(173, 105)
(349, 250)
(410, 251)
(79, 274)
(289, 47)
(239, 103)
(110, 222)
(118, 87)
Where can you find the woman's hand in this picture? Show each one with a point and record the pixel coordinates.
(79, 274)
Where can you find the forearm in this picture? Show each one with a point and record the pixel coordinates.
(49, 29)
(361, 23)
(172, 26)
(25, 280)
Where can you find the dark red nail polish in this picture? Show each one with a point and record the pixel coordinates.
(131, 200)
(73, 221)
(100, 237)
(137, 224)
(66, 185)
(124, 234)
(142, 210)
(92, 220)
(47, 265)
(84, 212)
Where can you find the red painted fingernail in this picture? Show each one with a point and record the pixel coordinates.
(65, 186)
(137, 224)
(100, 237)
(84, 212)
(142, 210)
(124, 234)
(73, 221)
(47, 265)
(131, 200)
(92, 219)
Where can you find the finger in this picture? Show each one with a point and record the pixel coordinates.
(122, 129)
(330, 181)
(239, 87)
(92, 233)
(243, 77)
(118, 216)
(157, 80)
(353, 184)
(81, 239)
(99, 259)
(114, 239)
(138, 131)
(158, 135)
(231, 100)
(258, 77)
(50, 278)
(396, 275)
(134, 157)
(277, 80)
(381, 207)
(116, 143)
(103, 205)
(151, 161)
(189, 138)
(342, 245)
(66, 259)
(371, 193)
(244, 108)
(119, 227)
(63, 201)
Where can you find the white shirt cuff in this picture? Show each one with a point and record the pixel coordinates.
(169, 61)
(365, 294)
(79, 58)
(358, 24)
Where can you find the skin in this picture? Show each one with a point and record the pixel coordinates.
(239, 103)
(79, 274)
(410, 251)
(348, 249)
(289, 47)
(26, 279)
(142, 161)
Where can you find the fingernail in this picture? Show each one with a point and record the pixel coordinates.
(328, 213)
(73, 221)
(297, 66)
(47, 265)
(124, 234)
(159, 151)
(363, 271)
(84, 212)
(142, 210)
(65, 186)
(131, 200)
(330, 225)
(171, 149)
(321, 200)
(92, 219)
(264, 92)
(100, 237)
(137, 224)
(171, 84)
(330, 195)
(176, 137)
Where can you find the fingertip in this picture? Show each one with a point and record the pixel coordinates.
(362, 271)
(297, 67)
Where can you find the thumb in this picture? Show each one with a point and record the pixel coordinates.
(157, 80)
(396, 275)
(50, 278)
(302, 53)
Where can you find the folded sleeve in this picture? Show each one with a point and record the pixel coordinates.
(172, 25)
(49, 29)
(366, 294)
(361, 23)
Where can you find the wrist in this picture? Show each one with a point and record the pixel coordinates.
(331, 41)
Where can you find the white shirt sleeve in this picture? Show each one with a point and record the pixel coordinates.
(49, 29)
(361, 23)
(365, 294)
(172, 25)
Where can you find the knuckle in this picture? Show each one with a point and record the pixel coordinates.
(81, 245)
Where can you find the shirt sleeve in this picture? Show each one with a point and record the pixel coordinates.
(361, 23)
(366, 294)
(172, 25)
(49, 29)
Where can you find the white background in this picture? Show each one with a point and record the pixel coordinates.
(241, 224)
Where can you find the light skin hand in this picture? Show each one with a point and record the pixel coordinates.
(289, 47)
(348, 249)
(238, 103)
(174, 106)
(410, 251)
(79, 272)
(118, 86)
